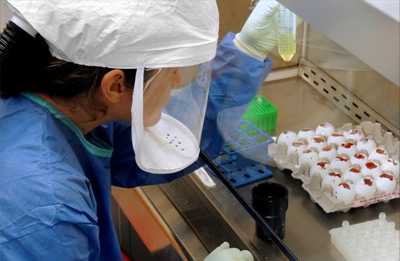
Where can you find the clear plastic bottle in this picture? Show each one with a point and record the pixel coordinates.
(286, 34)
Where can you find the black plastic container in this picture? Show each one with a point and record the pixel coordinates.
(270, 200)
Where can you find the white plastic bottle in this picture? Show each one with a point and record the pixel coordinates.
(286, 34)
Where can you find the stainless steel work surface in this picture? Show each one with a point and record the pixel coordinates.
(307, 227)
(194, 216)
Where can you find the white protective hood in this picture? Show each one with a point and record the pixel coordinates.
(125, 34)
(139, 34)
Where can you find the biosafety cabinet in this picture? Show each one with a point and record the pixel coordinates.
(346, 70)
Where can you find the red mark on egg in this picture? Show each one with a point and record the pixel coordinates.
(342, 158)
(348, 145)
(368, 182)
(345, 185)
(371, 165)
(322, 164)
(355, 170)
(360, 155)
(387, 176)
(335, 174)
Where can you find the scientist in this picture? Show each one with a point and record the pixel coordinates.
(102, 93)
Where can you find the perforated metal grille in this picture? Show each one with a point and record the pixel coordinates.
(343, 98)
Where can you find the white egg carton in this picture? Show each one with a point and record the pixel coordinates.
(369, 241)
(312, 183)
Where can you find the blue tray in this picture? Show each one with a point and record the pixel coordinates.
(239, 159)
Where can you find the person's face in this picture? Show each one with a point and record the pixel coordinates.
(156, 94)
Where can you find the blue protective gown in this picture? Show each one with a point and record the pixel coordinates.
(55, 184)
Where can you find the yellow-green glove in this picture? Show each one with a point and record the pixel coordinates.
(259, 33)
(225, 253)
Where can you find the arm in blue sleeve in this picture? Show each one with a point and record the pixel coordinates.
(236, 79)
(62, 241)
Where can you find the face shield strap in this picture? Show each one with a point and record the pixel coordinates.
(137, 109)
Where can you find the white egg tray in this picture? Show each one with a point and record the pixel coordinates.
(368, 241)
(312, 184)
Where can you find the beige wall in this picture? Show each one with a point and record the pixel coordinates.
(4, 14)
(233, 14)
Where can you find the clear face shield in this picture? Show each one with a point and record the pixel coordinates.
(168, 113)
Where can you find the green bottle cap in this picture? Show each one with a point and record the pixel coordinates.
(262, 113)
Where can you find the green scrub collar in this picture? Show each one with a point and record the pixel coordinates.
(105, 151)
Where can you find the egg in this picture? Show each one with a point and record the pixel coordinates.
(371, 168)
(308, 157)
(325, 129)
(328, 151)
(385, 183)
(336, 138)
(296, 146)
(348, 147)
(392, 166)
(353, 174)
(354, 134)
(287, 138)
(317, 142)
(320, 168)
(306, 134)
(344, 192)
(359, 158)
(341, 162)
(366, 144)
(331, 179)
(378, 154)
(365, 188)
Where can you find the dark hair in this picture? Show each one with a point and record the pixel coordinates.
(26, 65)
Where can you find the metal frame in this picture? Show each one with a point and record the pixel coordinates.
(344, 99)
